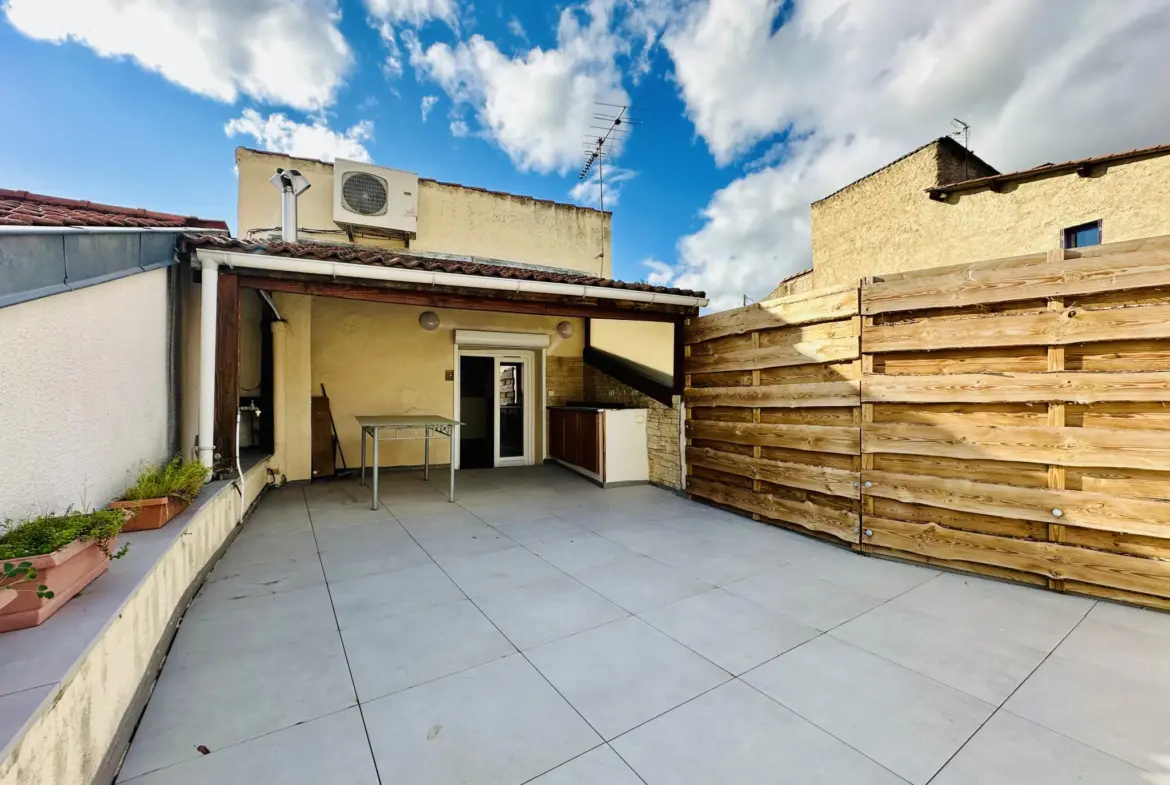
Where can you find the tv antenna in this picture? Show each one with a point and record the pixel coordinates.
(597, 147)
(962, 132)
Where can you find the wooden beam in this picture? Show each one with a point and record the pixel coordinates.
(435, 298)
(822, 479)
(612, 365)
(1101, 511)
(810, 438)
(1053, 560)
(1133, 264)
(779, 396)
(842, 524)
(680, 362)
(227, 368)
(821, 305)
(1093, 447)
(1008, 387)
(1064, 326)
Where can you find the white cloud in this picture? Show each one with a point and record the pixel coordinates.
(306, 140)
(589, 191)
(428, 103)
(660, 272)
(459, 128)
(392, 66)
(517, 29)
(414, 12)
(534, 106)
(278, 51)
(860, 82)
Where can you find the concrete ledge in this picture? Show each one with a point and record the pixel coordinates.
(72, 689)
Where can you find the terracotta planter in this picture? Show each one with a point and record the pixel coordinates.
(66, 572)
(149, 513)
(6, 597)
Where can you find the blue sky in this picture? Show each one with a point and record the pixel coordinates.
(751, 108)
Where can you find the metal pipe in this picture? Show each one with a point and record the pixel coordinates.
(288, 214)
(208, 300)
(108, 230)
(370, 272)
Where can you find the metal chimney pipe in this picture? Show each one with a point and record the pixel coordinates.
(291, 184)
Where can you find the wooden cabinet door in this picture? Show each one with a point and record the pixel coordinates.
(556, 433)
(589, 442)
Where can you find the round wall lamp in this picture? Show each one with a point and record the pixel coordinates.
(565, 330)
(428, 320)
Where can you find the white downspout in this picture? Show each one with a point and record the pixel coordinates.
(209, 306)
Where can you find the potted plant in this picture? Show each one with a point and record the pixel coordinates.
(161, 493)
(47, 560)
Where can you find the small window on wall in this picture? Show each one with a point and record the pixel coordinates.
(1083, 235)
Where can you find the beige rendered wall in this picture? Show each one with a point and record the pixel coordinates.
(451, 218)
(292, 365)
(887, 223)
(85, 400)
(375, 359)
(647, 343)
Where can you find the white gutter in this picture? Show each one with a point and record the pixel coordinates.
(108, 230)
(284, 264)
(208, 296)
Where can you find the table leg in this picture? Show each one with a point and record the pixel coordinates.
(363, 456)
(451, 465)
(374, 469)
(426, 454)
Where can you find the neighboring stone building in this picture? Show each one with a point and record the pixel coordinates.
(941, 204)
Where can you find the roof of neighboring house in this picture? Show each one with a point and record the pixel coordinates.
(419, 260)
(1045, 170)
(946, 141)
(21, 208)
(442, 182)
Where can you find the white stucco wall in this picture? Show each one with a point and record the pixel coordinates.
(83, 394)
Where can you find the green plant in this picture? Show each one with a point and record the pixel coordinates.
(16, 574)
(177, 479)
(49, 533)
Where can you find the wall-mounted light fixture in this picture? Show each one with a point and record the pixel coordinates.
(428, 320)
(565, 330)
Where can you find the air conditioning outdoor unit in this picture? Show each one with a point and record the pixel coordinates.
(375, 199)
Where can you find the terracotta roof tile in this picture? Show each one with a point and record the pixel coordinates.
(21, 208)
(403, 259)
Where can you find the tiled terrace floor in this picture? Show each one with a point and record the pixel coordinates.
(546, 631)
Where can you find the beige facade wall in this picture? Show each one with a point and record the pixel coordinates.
(294, 459)
(887, 223)
(647, 343)
(451, 218)
(85, 399)
(375, 359)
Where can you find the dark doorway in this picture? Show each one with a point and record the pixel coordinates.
(477, 447)
(511, 409)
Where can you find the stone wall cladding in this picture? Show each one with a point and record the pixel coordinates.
(661, 424)
(565, 379)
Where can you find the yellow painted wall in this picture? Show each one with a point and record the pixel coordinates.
(295, 365)
(451, 218)
(887, 223)
(646, 343)
(374, 359)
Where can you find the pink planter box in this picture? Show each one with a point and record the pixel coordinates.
(149, 513)
(66, 572)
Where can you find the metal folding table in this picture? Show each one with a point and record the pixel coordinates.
(372, 426)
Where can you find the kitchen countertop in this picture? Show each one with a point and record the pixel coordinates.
(598, 407)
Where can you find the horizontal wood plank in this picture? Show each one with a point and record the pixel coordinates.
(1027, 278)
(842, 524)
(780, 396)
(1101, 511)
(1070, 387)
(804, 353)
(822, 479)
(1053, 560)
(822, 305)
(1034, 444)
(811, 438)
(1057, 328)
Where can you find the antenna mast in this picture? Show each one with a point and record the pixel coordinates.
(963, 132)
(597, 148)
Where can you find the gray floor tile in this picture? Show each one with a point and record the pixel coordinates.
(224, 701)
(345, 562)
(946, 650)
(807, 599)
(711, 561)
(246, 551)
(548, 611)
(1009, 750)
(246, 585)
(579, 551)
(1154, 622)
(326, 750)
(494, 571)
(394, 654)
(370, 534)
(433, 504)
(601, 766)
(384, 595)
(910, 724)
(620, 675)
(497, 724)
(871, 575)
(1116, 714)
(1123, 648)
(731, 632)
(734, 734)
(640, 584)
(535, 530)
